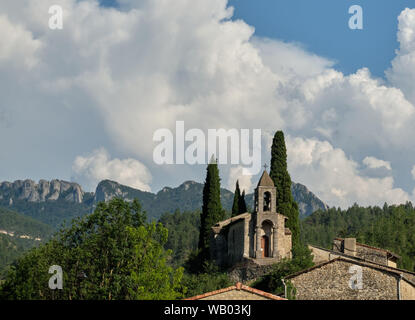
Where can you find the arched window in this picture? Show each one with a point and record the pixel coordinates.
(267, 201)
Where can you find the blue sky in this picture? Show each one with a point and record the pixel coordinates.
(322, 27)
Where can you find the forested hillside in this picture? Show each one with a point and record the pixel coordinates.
(17, 234)
(183, 234)
(390, 227)
(53, 213)
(20, 224)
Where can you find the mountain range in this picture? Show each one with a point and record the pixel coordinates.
(54, 202)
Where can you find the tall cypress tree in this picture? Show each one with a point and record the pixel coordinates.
(212, 211)
(282, 181)
(236, 200)
(242, 203)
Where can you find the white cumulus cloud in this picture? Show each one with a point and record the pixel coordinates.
(98, 166)
(374, 163)
(119, 75)
(334, 177)
(245, 181)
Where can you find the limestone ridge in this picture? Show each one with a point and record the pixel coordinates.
(188, 197)
(41, 192)
(27, 196)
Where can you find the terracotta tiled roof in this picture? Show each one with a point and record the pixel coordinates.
(238, 286)
(265, 180)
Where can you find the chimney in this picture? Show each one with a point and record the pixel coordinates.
(349, 246)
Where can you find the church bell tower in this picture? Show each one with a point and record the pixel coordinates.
(266, 218)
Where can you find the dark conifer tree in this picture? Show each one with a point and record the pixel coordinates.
(242, 203)
(236, 200)
(212, 211)
(282, 181)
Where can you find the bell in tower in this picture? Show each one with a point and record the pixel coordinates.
(265, 195)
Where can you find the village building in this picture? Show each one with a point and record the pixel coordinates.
(260, 237)
(351, 249)
(350, 279)
(237, 292)
(353, 271)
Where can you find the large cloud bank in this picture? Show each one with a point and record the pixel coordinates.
(142, 67)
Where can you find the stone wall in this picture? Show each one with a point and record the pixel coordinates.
(284, 240)
(331, 282)
(247, 271)
(236, 241)
(320, 255)
(407, 291)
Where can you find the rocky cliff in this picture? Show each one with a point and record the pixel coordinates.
(41, 192)
(56, 201)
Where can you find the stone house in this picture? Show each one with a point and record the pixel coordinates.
(351, 279)
(237, 292)
(350, 247)
(260, 237)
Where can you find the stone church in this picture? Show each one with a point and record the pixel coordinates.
(260, 237)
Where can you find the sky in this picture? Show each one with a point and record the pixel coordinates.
(83, 103)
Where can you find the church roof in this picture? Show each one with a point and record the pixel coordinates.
(265, 180)
(226, 222)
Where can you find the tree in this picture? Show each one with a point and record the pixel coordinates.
(282, 181)
(212, 211)
(242, 203)
(236, 200)
(112, 253)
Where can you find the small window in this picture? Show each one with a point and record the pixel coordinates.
(267, 201)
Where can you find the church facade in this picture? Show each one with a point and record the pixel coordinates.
(261, 236)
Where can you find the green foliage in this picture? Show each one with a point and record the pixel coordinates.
(11, 247)
(291, 291)
(54, 213)
(236, 200)
(111, 254)
(282, 181)
(212, 211)
(242, 203)
(205, 282)
(390, 227)
(239, 204)
(23, 225)
(183, 234)
(272, 282)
